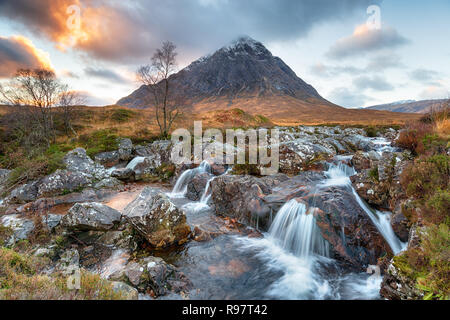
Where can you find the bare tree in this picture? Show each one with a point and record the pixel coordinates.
(67, 102)
(35, 94)
(156, 78)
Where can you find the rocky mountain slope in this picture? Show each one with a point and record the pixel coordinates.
(411, 106)
(244, 69)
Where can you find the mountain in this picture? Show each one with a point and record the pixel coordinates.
(411, 106)
(247, 76)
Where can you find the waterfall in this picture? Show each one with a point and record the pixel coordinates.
(180, 188)
(296, 230)
(206, 196)
(339, 175)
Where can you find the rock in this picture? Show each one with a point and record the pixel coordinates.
(91, 216)
(358, 142)
(161, 148)
(125, 149)
(129, 292)
(51, 220)
(241, 197)
(347, 227)
(23, 194)
(153, 275)
(108, 159)
(78, 161)
(156, 218)
(361, 161)
(108, 183)
(63, 182)
(399, 224)
(68, 262)
(4, 176)
(144, 165)
(124, 174)
(20, 226)
(398, 286)
(196, 186)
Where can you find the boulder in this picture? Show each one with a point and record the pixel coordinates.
(62, 182)
(127, 292)
(400, 226)
(4, 175)
(78, 161)
(162, 148)
(157, 219)
(197, 185)
(91, 216)
(144, 165)
(21, 228)
(124, 174)
(241, 197)
(153, 275)
(347, 227)
(24, 193)
(125, 150)
(108, 159)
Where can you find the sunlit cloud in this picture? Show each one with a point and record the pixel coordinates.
(364, 40)
(18, 52)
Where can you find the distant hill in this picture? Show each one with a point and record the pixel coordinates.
(411, 106)
(247, 76)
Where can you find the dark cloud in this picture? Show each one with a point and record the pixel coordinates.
(376, 83)
(365, 40)
(349, 99)
(20, 53)
(112, 30)
(105, 74)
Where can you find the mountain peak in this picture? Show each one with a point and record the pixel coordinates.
(245, 68)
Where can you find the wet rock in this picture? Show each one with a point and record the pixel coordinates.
(124, 174)
(345, 225)
(108, 183)
(358, 142)
(197, 185)
(162, 148)
(361, 161)
(241, 197)
(400, 226)
(156, 218)
(91, 216)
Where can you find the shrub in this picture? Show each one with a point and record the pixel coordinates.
(373, 174)
(99, 141)
(429, 265)
(122, 115)
(411, 137)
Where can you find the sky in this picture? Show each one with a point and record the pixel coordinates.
(354, 57)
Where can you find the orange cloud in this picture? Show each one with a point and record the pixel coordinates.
(18, 52)
(106, 30)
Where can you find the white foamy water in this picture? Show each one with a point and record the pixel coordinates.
(339, 175)
(180, 188)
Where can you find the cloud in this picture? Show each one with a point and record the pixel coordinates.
(375, 65)
(364, 40)
(376, 83)
(424, 75)
(123, 31)
(435, 92)
(344, 97)
(107, 74)
(18, 52)
(92, 100)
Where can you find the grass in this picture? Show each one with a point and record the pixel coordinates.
(21, 278)
(429, 265)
